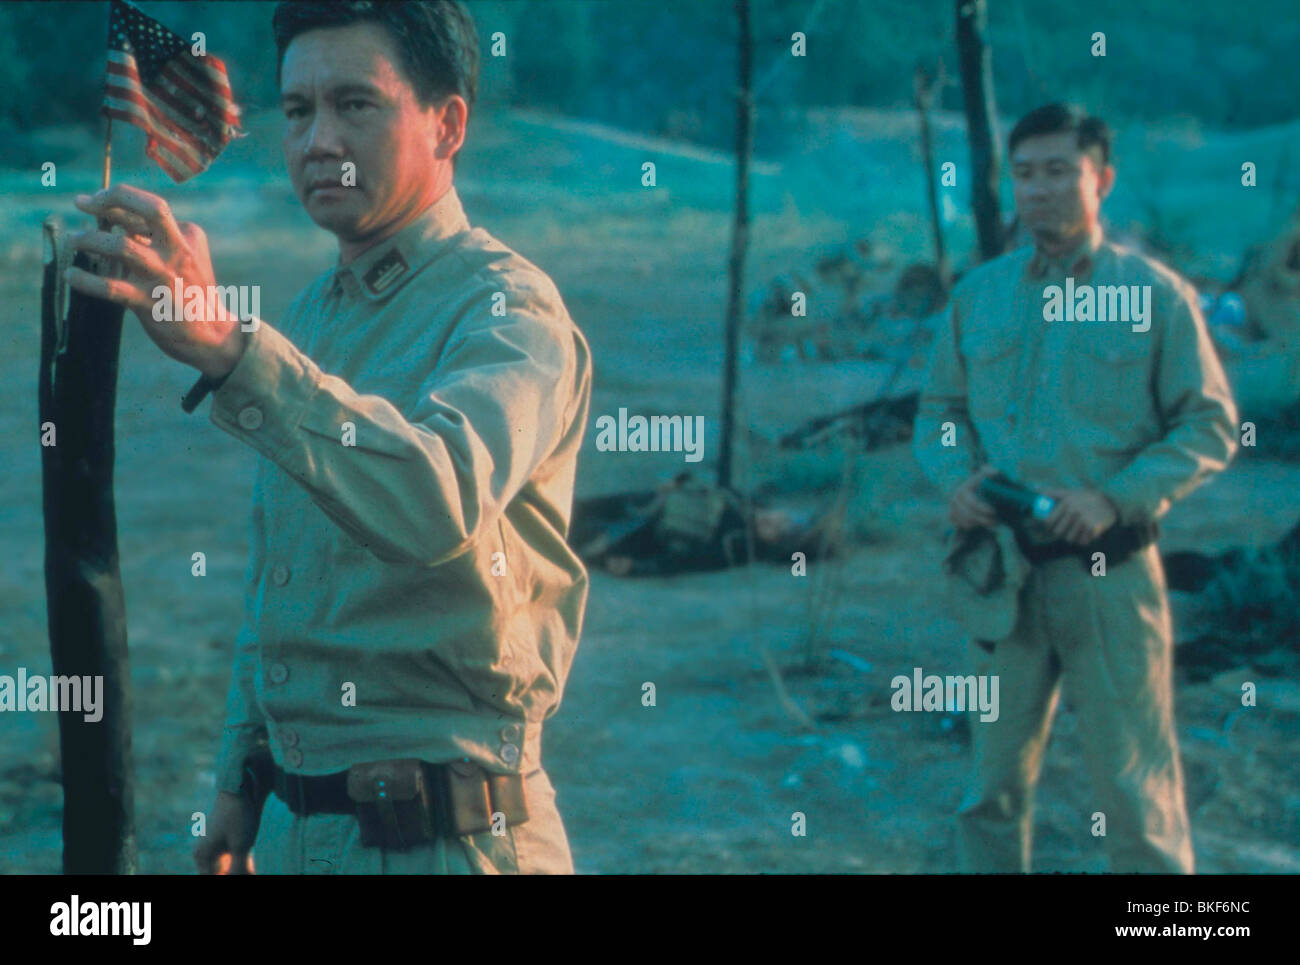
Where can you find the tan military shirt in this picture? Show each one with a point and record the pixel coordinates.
(1143, 416)
(417, 415)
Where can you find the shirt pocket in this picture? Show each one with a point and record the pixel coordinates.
(1108, 379)
(991, 355)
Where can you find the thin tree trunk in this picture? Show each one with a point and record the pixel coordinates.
(924, 87)
(739, 241)
(981, 113)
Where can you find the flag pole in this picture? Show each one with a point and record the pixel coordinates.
(108, 152)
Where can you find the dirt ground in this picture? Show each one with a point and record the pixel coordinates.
(707, 779)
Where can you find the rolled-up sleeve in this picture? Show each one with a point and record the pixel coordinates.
(420, 482)
(943, 400)
(1197, 412)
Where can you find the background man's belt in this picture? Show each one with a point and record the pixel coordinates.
(401, 802)
(1118, 543)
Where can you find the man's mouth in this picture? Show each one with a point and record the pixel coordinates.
(323, 184)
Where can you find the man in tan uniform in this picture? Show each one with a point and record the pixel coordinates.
(412, 604)
(1115, 419)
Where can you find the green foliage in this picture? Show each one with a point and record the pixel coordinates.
(670, 68)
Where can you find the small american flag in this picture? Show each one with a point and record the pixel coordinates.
(182, 101)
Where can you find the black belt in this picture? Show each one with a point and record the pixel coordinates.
(1117, 544)
(324, 794)
(328, 793)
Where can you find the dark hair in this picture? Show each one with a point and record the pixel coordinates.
(1059, 118)
(435, 40)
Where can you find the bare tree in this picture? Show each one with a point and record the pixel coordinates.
(981, 114)
(924, 87)
(739, 239)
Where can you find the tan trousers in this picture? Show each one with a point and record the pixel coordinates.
(330, 844)
(1111, 639)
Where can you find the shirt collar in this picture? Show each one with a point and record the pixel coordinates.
(1076, 263)
(385, 267)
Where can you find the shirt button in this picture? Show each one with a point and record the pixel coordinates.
(509, 753)
(511, 733)
(293, 757)
(279, 673)
(250, 417)
(280, 575)
(289, 736)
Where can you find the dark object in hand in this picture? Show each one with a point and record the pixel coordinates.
(1013, 502)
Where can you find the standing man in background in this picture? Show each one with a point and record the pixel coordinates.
(1113, 419)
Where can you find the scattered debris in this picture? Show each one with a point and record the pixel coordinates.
(687, 525)
(1269, 283)
(844, 314)
(920, 291)
(852, 660)
(850, 755)
(1250, 596)
(876, 424)
(1192, 572)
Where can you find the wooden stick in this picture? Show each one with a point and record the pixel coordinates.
(98, 265)
(108, 152)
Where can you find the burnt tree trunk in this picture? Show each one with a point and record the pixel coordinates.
(739, 241)
(981, 115)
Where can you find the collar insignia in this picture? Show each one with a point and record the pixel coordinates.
(385, 272)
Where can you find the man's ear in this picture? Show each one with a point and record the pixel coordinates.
(1105, 180)
(451, 120)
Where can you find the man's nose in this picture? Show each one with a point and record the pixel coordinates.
(1034, 188)
(324, 138)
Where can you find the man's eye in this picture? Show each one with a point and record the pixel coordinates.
(294, 112)
(355, 104)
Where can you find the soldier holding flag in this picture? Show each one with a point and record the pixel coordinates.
(412, 604)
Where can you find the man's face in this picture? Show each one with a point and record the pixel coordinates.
(345, 99)
(1058, 188)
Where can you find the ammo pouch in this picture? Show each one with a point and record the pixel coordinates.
(404, 802)
(395, 804)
